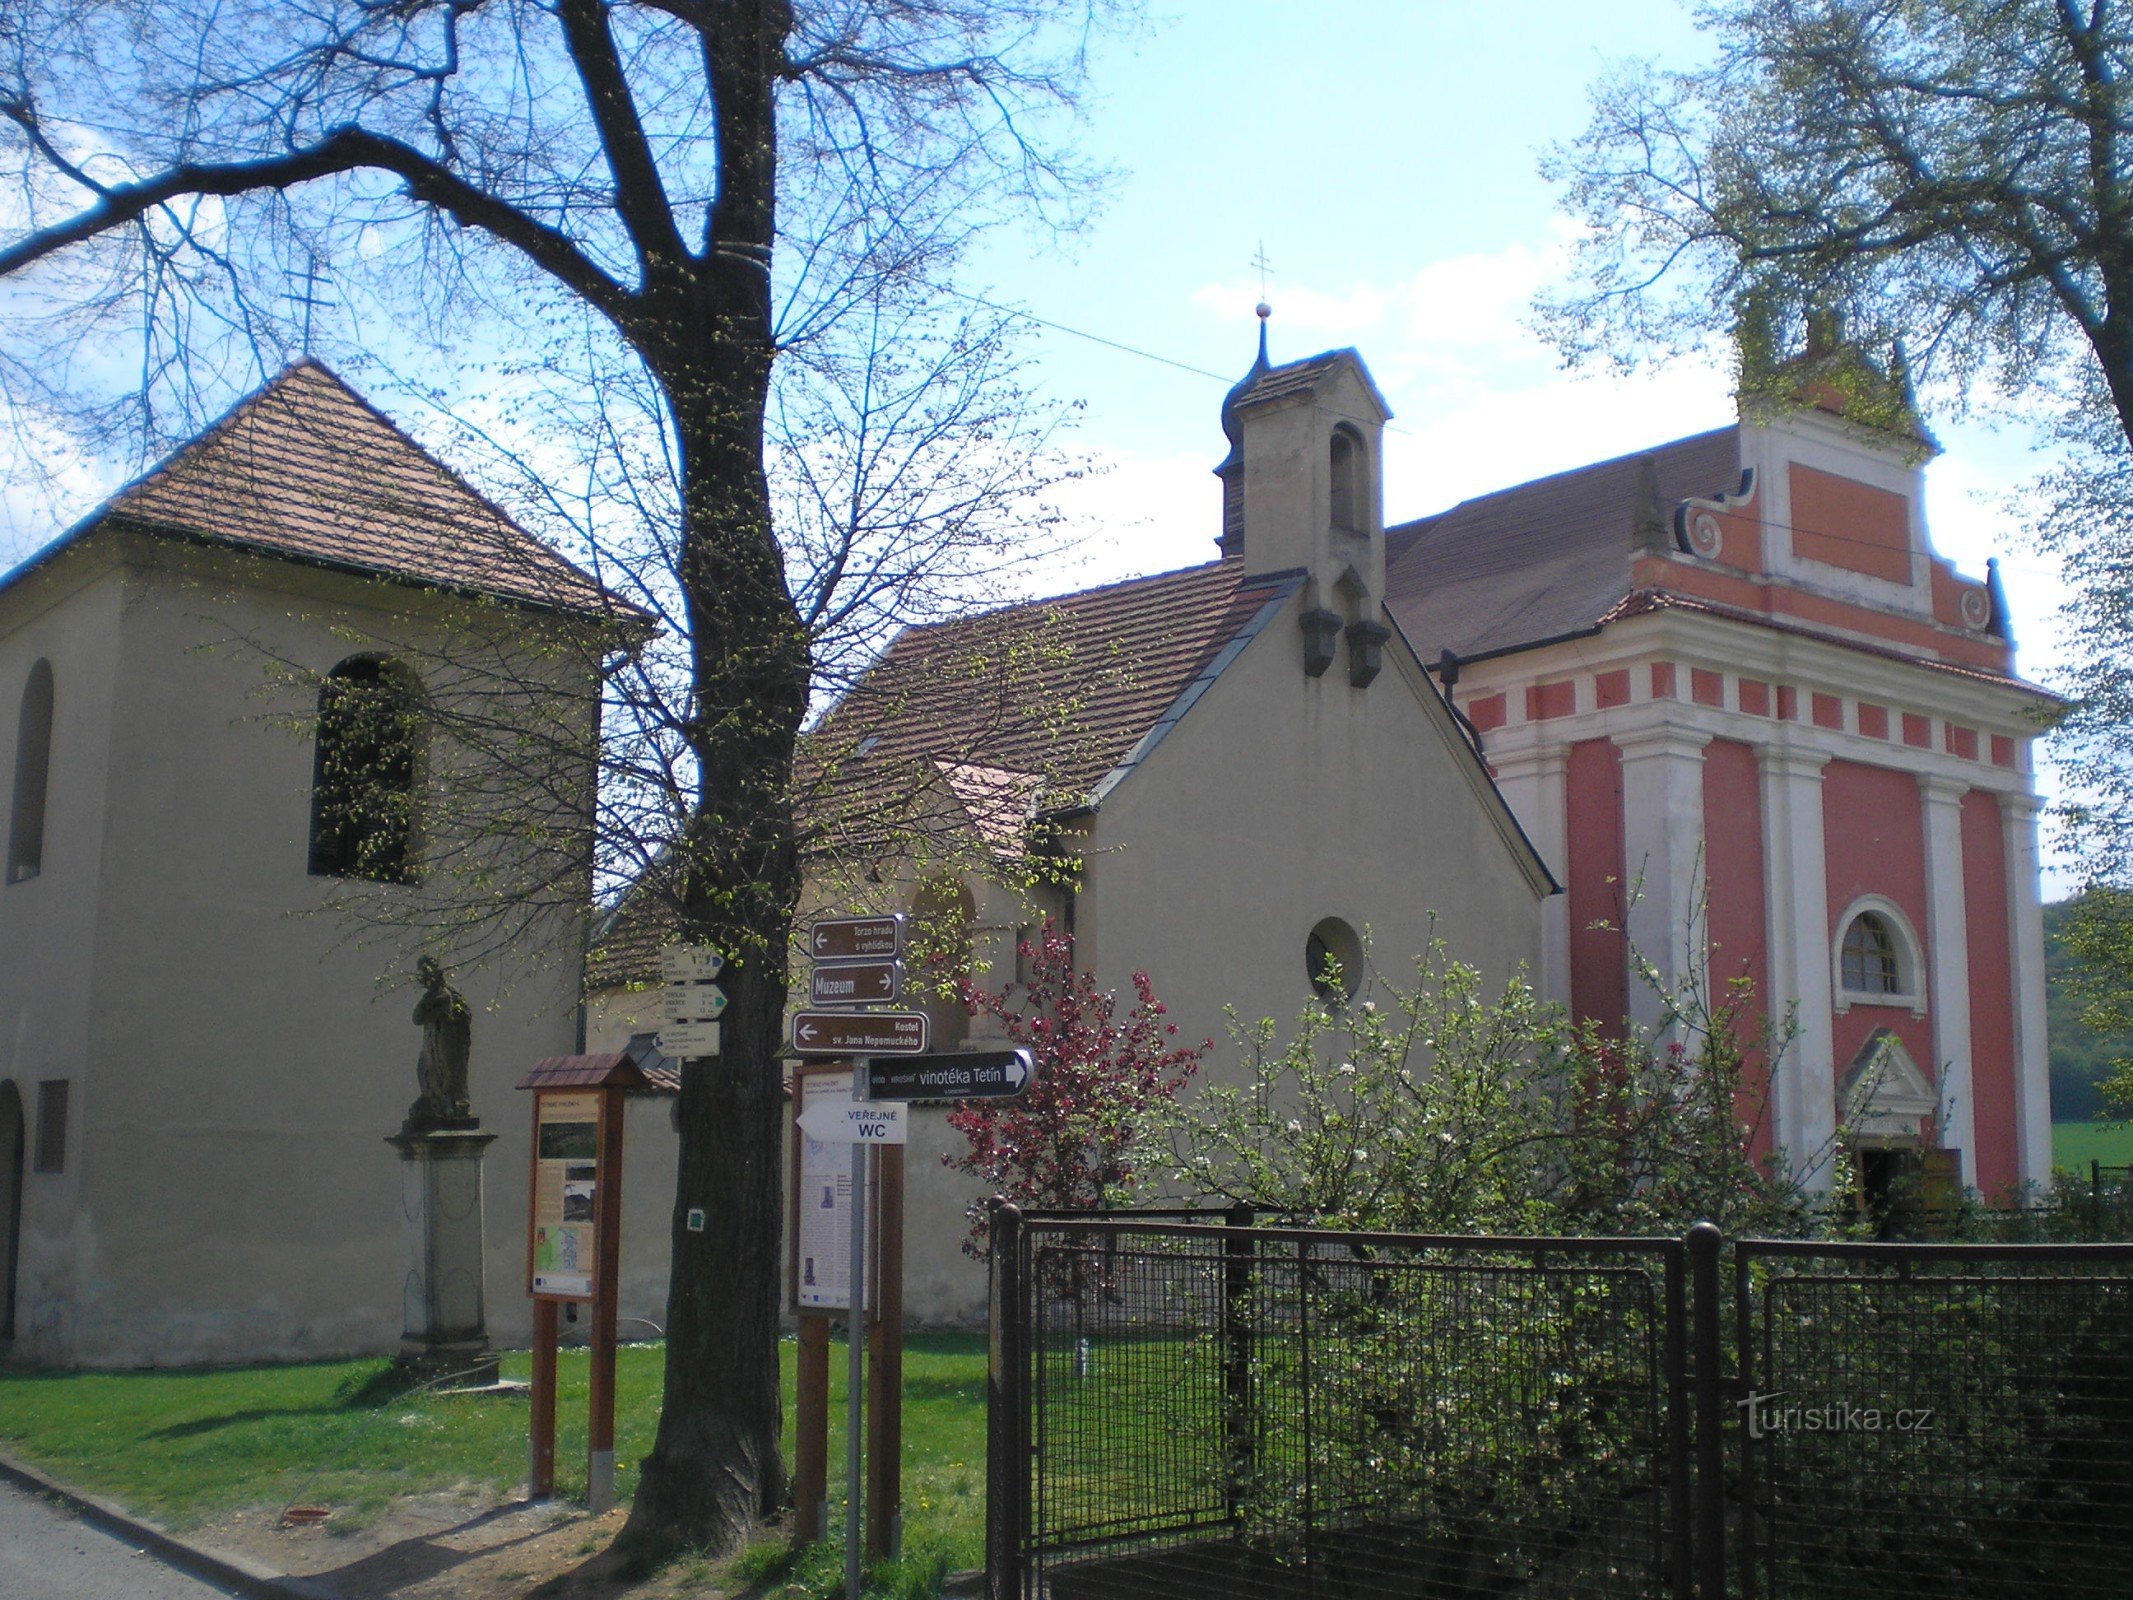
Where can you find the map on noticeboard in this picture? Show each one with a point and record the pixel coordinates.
(566, 1173)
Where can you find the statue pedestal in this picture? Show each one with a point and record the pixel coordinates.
(444, 1326)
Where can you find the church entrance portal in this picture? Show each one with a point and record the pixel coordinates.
(10, 1204)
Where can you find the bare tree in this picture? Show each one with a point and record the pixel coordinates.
(675, 195)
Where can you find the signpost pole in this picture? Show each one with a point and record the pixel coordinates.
(810, 1469)
(885, 1347)
(855, 1325)
(607, 1284)
(541, 1471)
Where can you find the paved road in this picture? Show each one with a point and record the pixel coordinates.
(48, 1554)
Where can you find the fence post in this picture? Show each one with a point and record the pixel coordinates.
(1680, 1431)
(1006, 1408)
(1704, 1241)
(1238, 1431)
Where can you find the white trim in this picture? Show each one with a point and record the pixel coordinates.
(1911, 960)
(1948, 940)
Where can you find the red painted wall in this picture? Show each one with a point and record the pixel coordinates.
(1992, 1030)
(1875, 843)
(1733, 868)
(1599, 957)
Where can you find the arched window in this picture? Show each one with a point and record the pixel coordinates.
(1348, 469)
(942, 915)
(33, 774)
(1877, 958)
(363, 775)
(1872, 964)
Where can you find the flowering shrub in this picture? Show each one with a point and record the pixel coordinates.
(1070, 1141)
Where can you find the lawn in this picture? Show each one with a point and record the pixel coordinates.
(182, 1447)
(2076, 1144)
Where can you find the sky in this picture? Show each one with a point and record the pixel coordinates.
(1384, 156)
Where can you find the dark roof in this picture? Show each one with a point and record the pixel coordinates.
(307, 469)
(1547, 559)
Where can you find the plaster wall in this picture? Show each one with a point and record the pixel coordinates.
(1282, 799)
(236, 1199)
(67, 615)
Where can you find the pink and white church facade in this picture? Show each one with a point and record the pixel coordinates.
(1732, 673)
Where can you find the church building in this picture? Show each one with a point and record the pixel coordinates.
(1761, 732)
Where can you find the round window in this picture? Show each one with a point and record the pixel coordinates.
(1333, 961)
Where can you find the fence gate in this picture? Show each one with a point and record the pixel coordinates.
(1195, 1412)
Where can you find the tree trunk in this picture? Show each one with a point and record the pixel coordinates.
(715, 1471)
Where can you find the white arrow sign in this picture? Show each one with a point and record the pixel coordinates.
(854, 1122)
(687, 1040)
(681, 963)
(694, 1002)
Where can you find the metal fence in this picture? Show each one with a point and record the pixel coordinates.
(1189, 1410)
(1948, 1420)
(1185, 1410)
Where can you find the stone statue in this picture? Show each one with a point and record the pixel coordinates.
(447, 1036)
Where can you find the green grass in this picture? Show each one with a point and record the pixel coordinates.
(2076, 1144)
(184, 1447)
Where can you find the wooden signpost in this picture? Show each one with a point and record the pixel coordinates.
(574, 1245)
(855, 1102)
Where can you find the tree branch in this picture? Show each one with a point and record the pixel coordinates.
(343, 150)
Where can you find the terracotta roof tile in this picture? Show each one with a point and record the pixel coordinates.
(1059, 689)
(1012, 713)
(307, 468)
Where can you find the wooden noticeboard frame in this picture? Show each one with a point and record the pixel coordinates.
(604, 1081)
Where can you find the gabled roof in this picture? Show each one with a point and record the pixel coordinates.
(1545, 560)
(1054, 693)
(306, 469)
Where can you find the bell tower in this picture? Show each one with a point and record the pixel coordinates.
(1303, 492)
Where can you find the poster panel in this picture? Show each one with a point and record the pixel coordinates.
(822, 1197)
(566, 1175)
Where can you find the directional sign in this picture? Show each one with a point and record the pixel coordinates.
(859, 1033)
(683, 1040)
(693, 1002)
(684, 963)
(855, 938)
(975, 1075)
(853, 1122)
(856, 983)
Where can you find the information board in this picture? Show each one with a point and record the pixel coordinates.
(822, 1196)
(566, 1173)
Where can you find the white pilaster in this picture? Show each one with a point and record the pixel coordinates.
(2025, 944)
(1948, 955)
(1533, 784)
(1662, 828)
(1803, 1090)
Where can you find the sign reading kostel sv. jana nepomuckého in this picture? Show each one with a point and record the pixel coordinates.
(859, 1033)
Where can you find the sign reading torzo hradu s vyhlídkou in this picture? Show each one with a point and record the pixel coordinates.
(855, 938)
